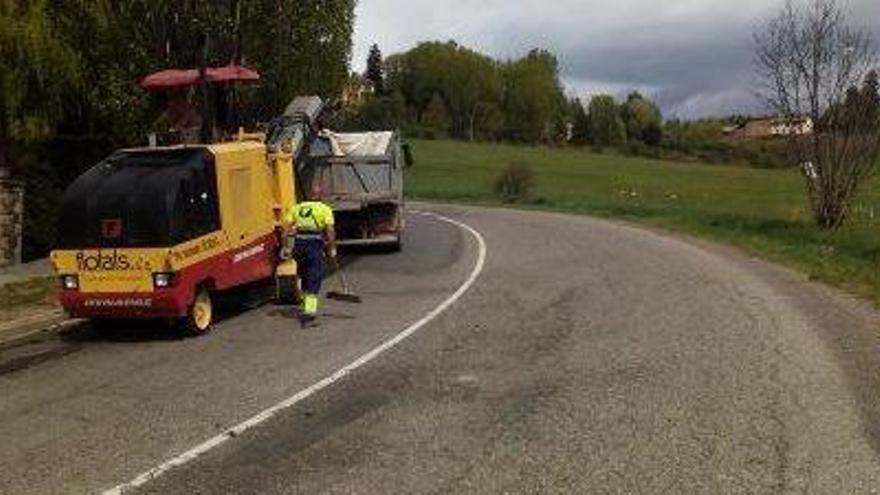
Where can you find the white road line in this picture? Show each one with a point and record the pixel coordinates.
(267, 414)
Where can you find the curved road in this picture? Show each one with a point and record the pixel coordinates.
(588, 357)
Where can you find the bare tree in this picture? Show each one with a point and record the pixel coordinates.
(809, 57)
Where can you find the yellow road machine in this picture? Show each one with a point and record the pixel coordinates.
(157, 232)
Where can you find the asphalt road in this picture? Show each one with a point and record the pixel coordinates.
(588, 357)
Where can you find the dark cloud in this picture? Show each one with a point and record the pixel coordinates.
(700, 73)
(694, 56)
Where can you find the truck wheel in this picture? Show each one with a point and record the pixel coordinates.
(200, 319)
(396, 245)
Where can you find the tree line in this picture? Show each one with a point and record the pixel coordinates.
(72, 67)
(443, 89)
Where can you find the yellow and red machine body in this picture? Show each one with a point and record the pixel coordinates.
(212, 223)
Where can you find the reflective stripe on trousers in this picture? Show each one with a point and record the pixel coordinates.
(310, 304)
(309, 236)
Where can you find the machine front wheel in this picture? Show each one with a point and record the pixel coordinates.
(200, 319)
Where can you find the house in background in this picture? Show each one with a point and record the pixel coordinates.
(801, 126)
(358, 90)
(772, 127)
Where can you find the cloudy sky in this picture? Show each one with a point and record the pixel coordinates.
(693, 56)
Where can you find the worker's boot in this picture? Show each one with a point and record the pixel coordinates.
(309, 310)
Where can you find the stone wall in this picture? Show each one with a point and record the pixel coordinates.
(11, 215)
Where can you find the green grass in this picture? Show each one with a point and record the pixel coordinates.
(32, 292)
(762, 211)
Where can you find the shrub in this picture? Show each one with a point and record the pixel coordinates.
(652, 135)
(515, 183)
(634, 148)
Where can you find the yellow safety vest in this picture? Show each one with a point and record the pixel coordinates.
(310, 217)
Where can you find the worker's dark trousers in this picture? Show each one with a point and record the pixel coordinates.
(309, 254)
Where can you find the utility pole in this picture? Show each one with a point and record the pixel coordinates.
(207, 131)
(236, 55)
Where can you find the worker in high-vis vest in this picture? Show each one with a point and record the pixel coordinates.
(314, 237)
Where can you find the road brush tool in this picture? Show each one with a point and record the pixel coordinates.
(346, 295)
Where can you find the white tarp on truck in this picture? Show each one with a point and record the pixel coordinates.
(358, 144)
(356, 167)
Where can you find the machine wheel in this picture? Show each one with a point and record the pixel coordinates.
(287, 290)
(200, 319)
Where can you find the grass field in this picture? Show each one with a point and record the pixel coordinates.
(31, 292)
(762, 211)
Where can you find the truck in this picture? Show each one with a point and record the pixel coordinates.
(157, 232)
(361, 174)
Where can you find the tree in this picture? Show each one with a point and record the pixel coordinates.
(809, 57)
(534, 101)
(640, 115)
(581, 126)
(490, 121)
(468, 82)
(860, 108)
(871, 94)
(652, 135)
(300, 48)
(383, 113)
(521, 100)
(472, 84)
(436, 117)
(375, 71)
(115, 50)
(37, 72)
(69, 72)
(606, 125)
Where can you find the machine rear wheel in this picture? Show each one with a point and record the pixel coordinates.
(200, 319)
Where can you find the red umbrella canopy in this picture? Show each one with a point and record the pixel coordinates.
(176, 79)
(232, 73)
(170, 79)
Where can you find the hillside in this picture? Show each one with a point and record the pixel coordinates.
(762, 211)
